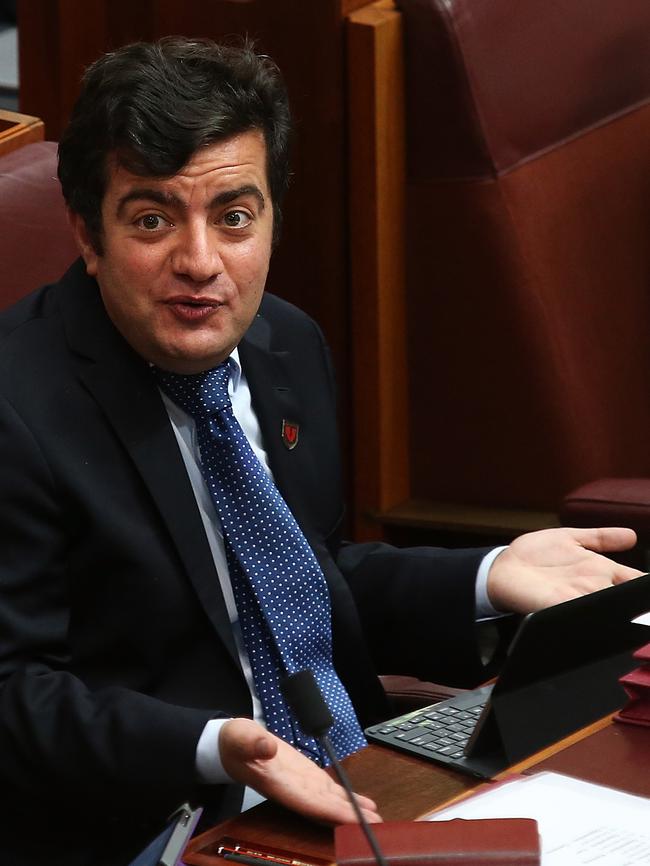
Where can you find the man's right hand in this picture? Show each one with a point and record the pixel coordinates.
(253, 756)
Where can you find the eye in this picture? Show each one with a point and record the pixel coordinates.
(237, 219)
(152, 222)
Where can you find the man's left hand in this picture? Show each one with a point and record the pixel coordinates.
(543, 568)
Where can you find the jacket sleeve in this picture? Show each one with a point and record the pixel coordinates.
(417, 609)
(56, 733)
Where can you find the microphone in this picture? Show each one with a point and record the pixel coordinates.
(301, 692)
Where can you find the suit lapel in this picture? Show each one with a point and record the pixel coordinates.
(269, 376)
(121, 383)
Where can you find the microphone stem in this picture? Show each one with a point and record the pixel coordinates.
(343, 779)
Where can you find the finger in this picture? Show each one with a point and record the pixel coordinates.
(600, 566)
(370, 814)
(606, 568)
(334, 806)
(366, 803)
(624, 573)
(372, 817)
(606, 538)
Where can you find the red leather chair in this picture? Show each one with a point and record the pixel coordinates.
(36, 244)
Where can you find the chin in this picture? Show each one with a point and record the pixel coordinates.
(184, 358)
(190, 363)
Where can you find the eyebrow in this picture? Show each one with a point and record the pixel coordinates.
(170, 199)
(232, 194)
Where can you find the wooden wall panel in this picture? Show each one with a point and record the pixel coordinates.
(377, 189)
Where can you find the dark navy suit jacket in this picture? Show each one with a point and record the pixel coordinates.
(115, 646)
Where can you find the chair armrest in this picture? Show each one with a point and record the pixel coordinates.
(409, 693)
(610, 502)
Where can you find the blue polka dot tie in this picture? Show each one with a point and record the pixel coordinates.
(280, 591)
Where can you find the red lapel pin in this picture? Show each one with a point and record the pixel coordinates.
(290, 433)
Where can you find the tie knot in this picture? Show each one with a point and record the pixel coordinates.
(198, 394)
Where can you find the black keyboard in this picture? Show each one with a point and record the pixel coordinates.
(438, 732)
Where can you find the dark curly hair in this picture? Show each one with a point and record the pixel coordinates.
(152, 105)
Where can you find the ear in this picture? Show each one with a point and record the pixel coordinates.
(82, 237)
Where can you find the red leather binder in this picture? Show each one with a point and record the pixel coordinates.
(495, 841)
(637, 688)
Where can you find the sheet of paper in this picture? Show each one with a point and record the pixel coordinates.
(579, 822)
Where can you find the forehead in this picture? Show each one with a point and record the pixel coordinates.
(236, 162)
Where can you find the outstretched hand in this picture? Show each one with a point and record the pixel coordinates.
(254, 757)
(543, 568)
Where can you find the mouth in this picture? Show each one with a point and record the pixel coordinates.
(192, 308)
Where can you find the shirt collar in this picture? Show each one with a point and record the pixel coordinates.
(235, 369)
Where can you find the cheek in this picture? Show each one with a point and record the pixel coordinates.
(142, 260)
(135, 277)
(251, 265)
(127, 282)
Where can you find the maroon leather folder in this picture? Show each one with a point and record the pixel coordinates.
(637, 687)
(495, 841)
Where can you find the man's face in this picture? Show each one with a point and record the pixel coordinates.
(185, 258)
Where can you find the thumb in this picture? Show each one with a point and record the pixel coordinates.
(263, 747)
(249, 741)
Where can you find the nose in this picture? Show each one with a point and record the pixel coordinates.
(196, 254)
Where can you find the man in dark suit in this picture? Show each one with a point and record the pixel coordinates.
(128, 682)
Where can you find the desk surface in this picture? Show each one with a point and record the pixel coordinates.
(406, 788)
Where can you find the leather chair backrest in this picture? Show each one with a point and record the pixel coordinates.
(527, 224)
(36, 244)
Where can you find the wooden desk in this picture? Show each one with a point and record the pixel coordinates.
(407, 788)
(18, 129)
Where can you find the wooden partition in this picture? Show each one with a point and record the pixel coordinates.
(377, 277)
(512, 246)
(384, 462)
(17, 130)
